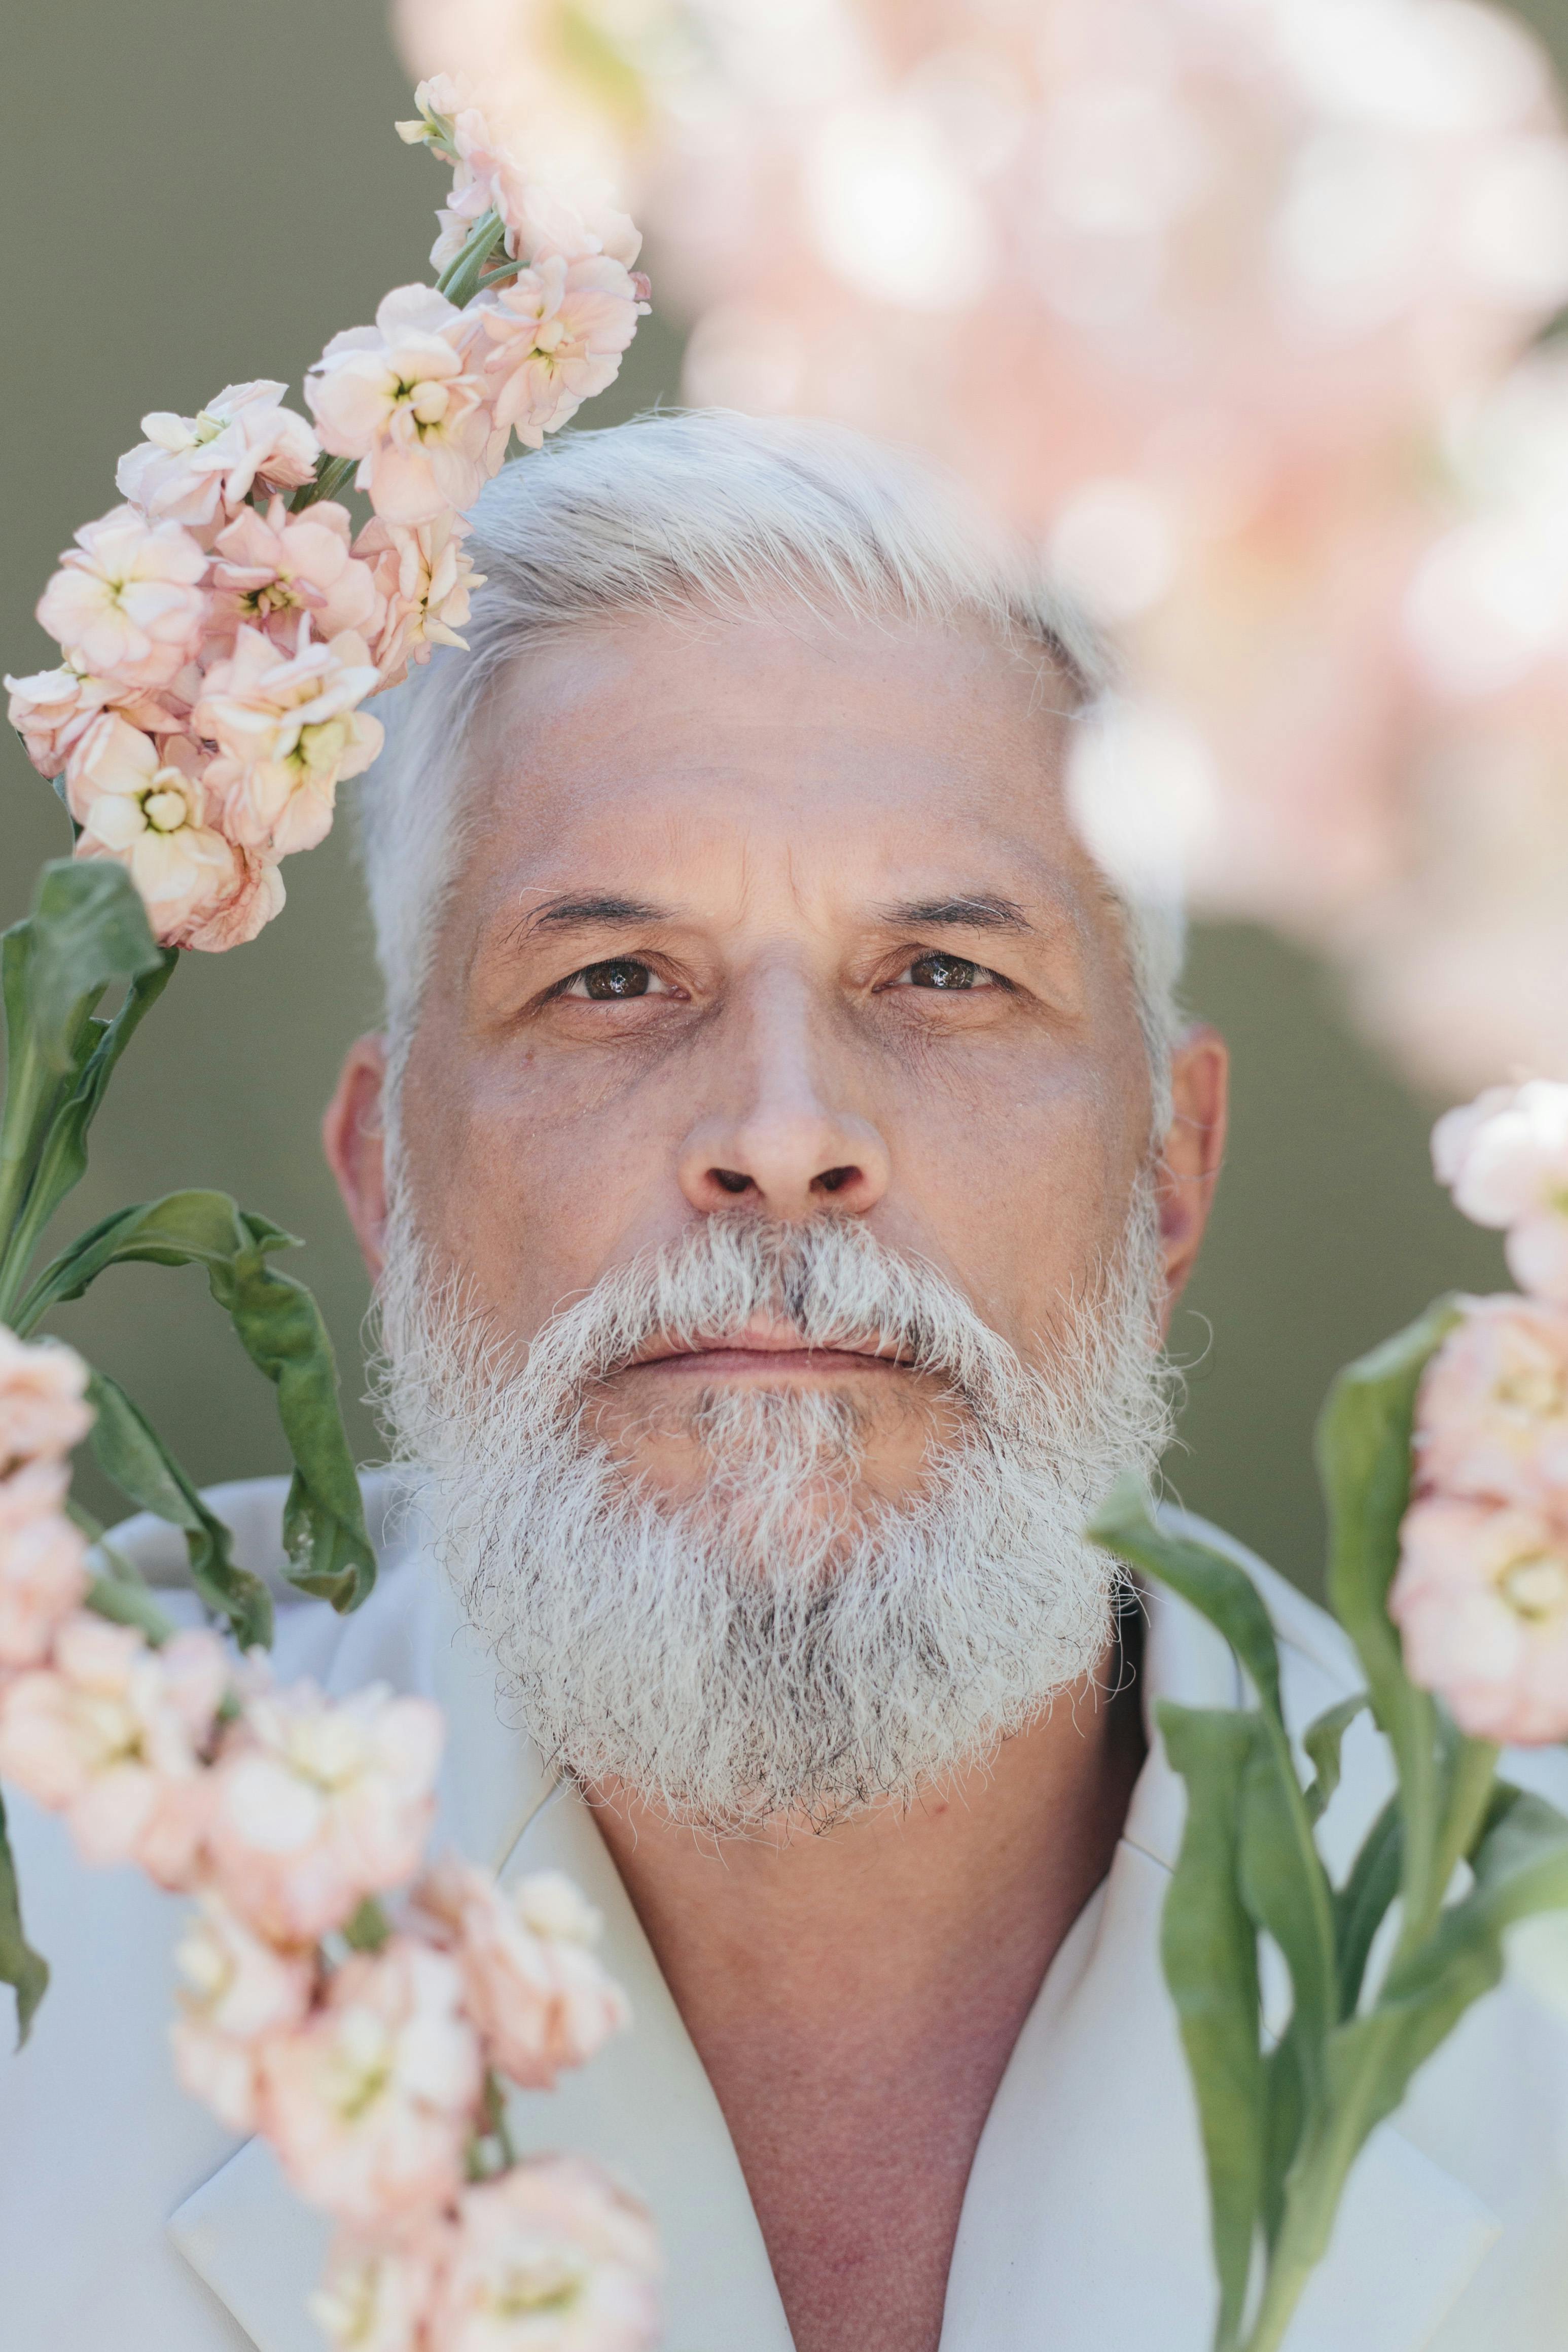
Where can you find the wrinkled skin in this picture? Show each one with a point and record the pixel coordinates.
(780, 838)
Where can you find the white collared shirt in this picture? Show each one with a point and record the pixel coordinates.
(128, 2217)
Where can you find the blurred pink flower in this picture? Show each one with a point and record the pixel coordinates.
(200, 469)
(288, 731)
(1505, 1158)
(43, 1398)
(1481, 1602)
(423, 577)
(375, 2294)
(555, 338)
(43, 1562)
(399, 398)
(534, 1988)
(235, 1988)
(554, 2257)
(1492, 1416)
(319, 1802)
(268, 570)
(114, 1736)
(147, 805)
(127, 603)
(371, 2102)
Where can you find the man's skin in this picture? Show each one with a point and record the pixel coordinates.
(771, 828)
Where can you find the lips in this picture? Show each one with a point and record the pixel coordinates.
(762, 1346)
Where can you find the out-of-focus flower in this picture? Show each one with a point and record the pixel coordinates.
(235, 1988)
(43, 1398)
(555, 338)
(268, 570)
(398, 396)
(550, 2255)
(1492, 1417)
(287, 730)
(126, 604)
(1505, 1158)
(371, 2102)
(535, 1988)
(1482, 1601)
(147, 805)
(198, 470)
(112, 1736)
(43, 1562)
(319, 1802)
(375, 2294)
(423, 577)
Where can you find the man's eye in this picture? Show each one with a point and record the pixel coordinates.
(938, 970)
(612, 982)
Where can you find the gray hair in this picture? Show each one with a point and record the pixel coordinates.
(711, 511)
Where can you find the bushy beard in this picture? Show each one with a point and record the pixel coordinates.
(788, 1645)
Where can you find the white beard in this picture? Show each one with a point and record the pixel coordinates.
(786, 1645)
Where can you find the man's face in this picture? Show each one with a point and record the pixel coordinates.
(790, 918)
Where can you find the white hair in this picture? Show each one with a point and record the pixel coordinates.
(729, 515)
(785, 1644)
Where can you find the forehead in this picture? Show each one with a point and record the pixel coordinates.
(755, 757)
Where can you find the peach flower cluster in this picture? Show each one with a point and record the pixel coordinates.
(42, 1557)
(220, 630)
(1233, 307)
(1481, 1595)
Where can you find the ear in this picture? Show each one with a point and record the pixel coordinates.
(1193, 1151)
(353, 1138)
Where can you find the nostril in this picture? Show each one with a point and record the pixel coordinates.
(833, 1180)
(730, 1180)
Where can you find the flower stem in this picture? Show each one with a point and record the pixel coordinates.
(331, 477)
(459, 281)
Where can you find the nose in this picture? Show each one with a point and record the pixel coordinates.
(782, 1139)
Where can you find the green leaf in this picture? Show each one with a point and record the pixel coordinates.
(1361, 1904)
(1286, 1890)
(1216, 1587)
(1363, 1457)
(1209, 1950)
(24, 1970)
(280, 1327)
(87, 930)
(1322, 1741)
(132, 1453)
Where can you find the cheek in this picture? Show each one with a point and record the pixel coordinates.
(528, 1183)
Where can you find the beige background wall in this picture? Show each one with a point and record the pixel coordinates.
(195, 194)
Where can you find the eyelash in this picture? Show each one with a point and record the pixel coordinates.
(981, 977)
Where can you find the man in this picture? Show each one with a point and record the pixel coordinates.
(778, 1167)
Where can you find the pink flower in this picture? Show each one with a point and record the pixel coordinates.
(398, 396)
(54, 708)
(234, 921)
(43, 1569)
(376, 2293)
(43, 1398)
(550, 2256)
(319, 1802)
(556, 335)
(236, 1990)
(1481, 1601)
(371, 2102)
(425, 579)
(287, 730)
(268, 570)
(127, 603)
(535, 1988)
(199, 470)
(112, 1736)
(1492, 1419)
(1505, 1158)
(147, 805)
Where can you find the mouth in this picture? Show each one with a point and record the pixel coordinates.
(765, 1352)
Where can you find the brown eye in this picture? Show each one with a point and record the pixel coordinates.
(938, 970)
(610, 983)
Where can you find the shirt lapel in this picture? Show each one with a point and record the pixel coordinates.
(1085, 2219)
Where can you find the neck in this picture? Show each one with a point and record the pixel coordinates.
(854, 1995)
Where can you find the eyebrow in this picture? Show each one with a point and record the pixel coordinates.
(577, 914)
(982, 910)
